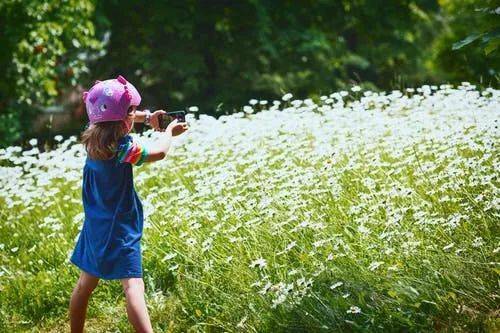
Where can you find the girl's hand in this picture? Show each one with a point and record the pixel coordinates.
(176, 128)
(155, 124)
(161, 147)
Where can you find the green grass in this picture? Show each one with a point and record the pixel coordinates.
(408, 233)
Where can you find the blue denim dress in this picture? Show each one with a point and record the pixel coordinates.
(108, 246)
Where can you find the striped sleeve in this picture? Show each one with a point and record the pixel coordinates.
(132, 152)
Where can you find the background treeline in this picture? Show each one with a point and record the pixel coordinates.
(219, 54)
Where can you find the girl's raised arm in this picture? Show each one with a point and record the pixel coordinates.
(135, 153)
(160, 148)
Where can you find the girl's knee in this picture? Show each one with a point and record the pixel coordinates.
(133, 285)
(85, 288)
(86, 284)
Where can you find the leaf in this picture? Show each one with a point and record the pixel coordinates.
(489, 36)
(50, 87)
(491, 41)
(466, 41)
(491, 47)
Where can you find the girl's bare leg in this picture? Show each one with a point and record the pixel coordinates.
(80, 299)
(137, 311)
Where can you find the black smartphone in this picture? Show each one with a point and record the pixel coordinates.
(165, 119)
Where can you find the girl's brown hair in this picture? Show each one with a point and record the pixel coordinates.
(101, 139)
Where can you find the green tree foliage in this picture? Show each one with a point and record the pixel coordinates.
(489, 32)
(208, 52)
(467, 47)
(45, 45)
(219, 54)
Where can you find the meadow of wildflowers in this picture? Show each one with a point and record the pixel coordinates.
(358, 211)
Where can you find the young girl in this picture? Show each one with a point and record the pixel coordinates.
(108, 246)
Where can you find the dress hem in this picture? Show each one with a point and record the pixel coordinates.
(111, 277)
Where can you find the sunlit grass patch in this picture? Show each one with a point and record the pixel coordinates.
(360, 211)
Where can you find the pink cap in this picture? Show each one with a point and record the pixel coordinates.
(109, 100)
